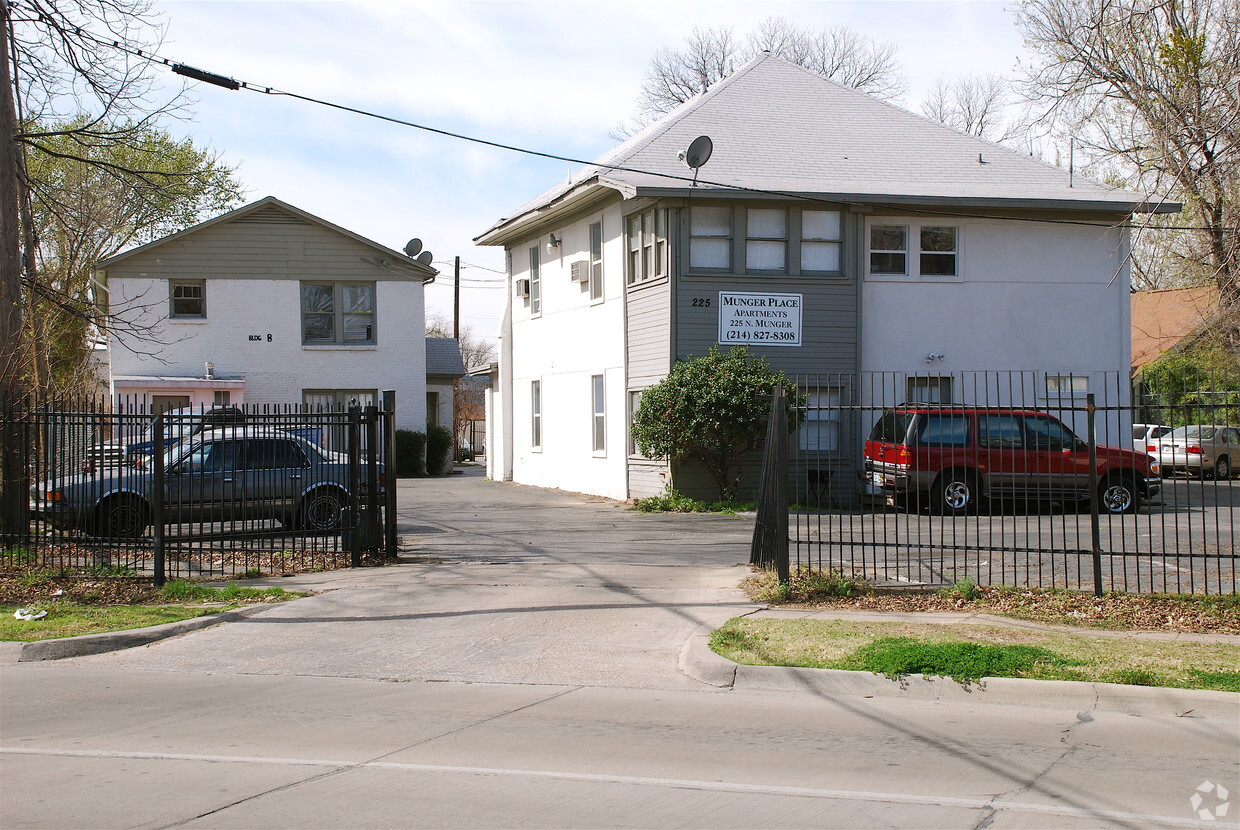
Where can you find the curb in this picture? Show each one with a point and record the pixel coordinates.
(88, 644)
(699, 662)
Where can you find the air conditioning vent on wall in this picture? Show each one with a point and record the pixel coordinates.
(581, 271)
(523, 288)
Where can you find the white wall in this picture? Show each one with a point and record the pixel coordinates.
(276, 366)
(1032, 297)
(570, 342)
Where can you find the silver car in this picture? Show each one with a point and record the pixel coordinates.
(1204, 450)
(1144, 435)
(221, 475)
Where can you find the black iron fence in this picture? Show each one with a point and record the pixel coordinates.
(111, 487)
(1023, 479)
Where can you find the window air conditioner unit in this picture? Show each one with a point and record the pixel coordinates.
(523, 288)
(581, 271)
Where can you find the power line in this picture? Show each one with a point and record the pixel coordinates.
(233, 84)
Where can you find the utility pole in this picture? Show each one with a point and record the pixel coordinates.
(456, 299)
(13, 483)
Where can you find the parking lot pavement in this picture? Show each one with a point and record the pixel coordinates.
(497, 583)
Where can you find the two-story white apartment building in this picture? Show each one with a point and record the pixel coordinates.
(268, 304)
(830, 232)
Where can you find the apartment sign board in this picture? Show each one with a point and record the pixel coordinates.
(761, 319)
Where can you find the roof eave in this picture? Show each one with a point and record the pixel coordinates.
(579, 197)
(855, 198)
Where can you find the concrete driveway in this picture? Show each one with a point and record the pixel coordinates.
(497, 583)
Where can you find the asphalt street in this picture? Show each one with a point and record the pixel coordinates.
(525, 667)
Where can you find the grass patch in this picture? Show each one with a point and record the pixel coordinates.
(675, 502)
(969, 652)
(75, 620)
(177, 600)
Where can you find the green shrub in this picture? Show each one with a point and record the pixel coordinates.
(965, 589)
(805, 585)
(410, 454)
(438, 450)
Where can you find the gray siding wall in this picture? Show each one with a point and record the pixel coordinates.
(266, 244)
(648, 357)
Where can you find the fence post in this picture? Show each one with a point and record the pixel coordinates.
(1095, 520)
(371, 538)
(157, 498)
(350, 535)
(770, 530)
(389, 469)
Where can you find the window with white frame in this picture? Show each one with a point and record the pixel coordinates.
(914, 250)
(599, 424)
(187, 299)
(338, 312)
(1066, 386)
(536, 414)
(888, 249)
(337, 400)
(635, 401)
(535, 281)
(710, 237)
(766, 239)
(820, 431)
(821, 239)
(596, 261)
(930, 389)
(646, 238)
(938, 251)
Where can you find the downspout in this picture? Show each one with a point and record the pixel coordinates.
(505, 376)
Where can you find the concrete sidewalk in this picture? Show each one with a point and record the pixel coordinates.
(500, 583)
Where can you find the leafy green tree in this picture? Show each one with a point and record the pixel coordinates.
(89, 201)
(711, 409)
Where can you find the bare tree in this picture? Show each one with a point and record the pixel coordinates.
(476, 352)
(1150, 88)
(973, 104)
(710, 54)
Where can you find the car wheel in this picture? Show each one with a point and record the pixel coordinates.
(323, 509)
(1118, 494)
(121, 517)
(1222, 468)
(955, 493)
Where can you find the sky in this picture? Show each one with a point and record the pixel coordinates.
(555, 77)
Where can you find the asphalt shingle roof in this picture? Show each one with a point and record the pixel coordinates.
(776, 126)
(443, 357)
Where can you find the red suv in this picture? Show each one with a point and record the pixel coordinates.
(956, 456)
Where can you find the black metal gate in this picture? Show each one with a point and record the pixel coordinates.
(113, 488)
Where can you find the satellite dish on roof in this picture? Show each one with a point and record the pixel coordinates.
(699, 151)
(412, 247)
(424, 257)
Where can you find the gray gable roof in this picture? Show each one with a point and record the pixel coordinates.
(779, 127)
(443, 357)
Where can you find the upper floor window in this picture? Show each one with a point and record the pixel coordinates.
(187, 298)
(647, 245)
(338, 312)
(820, 240)
(938, 251)
(914, 250)
(888, 249)
(596, 261)
(710, 237)
(535, 281)
(766, 239)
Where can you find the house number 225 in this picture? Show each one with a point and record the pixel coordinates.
(255, 338)
(701, 302)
